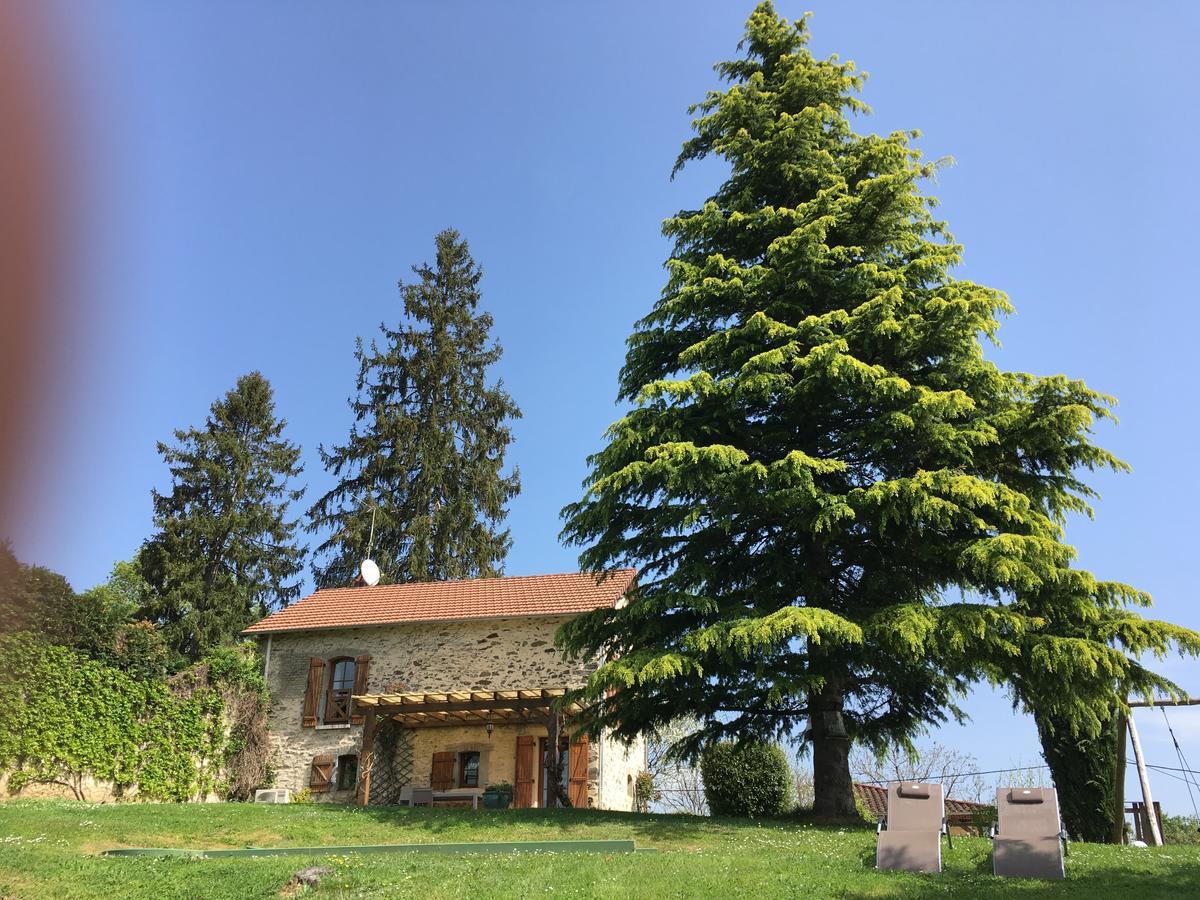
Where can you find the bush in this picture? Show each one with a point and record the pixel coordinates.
(746, 779)
(1181, 830)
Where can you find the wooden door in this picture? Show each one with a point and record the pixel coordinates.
(577, 764)
(442, 776)
(526, 759)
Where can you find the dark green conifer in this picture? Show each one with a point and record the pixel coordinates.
(225, 551)
(425, 456)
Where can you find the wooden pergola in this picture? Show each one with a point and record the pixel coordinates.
(524, 706)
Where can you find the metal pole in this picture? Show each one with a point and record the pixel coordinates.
(1155, 836)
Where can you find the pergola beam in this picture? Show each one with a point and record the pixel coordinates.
(466, 707)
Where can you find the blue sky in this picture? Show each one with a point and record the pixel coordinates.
(251, 180)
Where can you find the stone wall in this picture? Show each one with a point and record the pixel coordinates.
(619, 765)
(485, 655)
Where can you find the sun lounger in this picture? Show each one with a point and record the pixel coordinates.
(910, 837)
(1029, 840)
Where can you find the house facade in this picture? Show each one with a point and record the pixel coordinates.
(377, 691)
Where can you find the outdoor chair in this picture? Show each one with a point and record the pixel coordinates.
(1029, 840)
(421, 797)
(910, 836)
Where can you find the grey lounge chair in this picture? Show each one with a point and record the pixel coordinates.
(910, 837)
(1029, 840)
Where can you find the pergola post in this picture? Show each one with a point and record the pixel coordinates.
(554, 758)
(366, 757)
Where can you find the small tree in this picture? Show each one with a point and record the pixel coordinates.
(678, 786)
(802, 778)
(953, 769)
(423, 466)
(747, 779)
(36, 599)
(225, 552)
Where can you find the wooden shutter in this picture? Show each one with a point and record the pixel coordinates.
(526, 757)
(312, 692)
(442, 776)
(577, 764)
(322, 773)
(362, 665)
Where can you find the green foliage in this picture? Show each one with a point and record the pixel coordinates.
(110, 630)
(426, 451)
(843, 513)
(747, 779)
(863, 811)
(64, 717)
(33, 598)
(99, 622)
(1181, 830)
(237, 666)
(225, 552)
(643, 791)
(1084, 769)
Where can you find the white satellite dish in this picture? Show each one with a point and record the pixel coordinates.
(369, 572)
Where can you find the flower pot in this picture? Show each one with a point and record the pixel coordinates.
(496, 799)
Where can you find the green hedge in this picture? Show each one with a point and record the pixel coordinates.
(64, 716)
(748, 779)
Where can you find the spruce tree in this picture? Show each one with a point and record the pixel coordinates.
(423, 466)
(844, 513)
(225, 552)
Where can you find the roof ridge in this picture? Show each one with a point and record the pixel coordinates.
(482, 578)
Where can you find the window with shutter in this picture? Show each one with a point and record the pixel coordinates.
(362, 665)
(441, 778)
(322, 773)
(468, 768)
(341, 688)
(577, 763)
(312, 692)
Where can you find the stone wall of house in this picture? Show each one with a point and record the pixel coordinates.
(619, 765)
(495, 654)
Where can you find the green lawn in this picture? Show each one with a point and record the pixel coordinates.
(48, 849)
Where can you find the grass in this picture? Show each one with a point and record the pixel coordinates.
(48, 849)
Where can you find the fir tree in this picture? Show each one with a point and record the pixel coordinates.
(423, 466)
(843, 513)
(225, 552)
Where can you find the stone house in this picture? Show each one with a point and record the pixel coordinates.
(449, 685)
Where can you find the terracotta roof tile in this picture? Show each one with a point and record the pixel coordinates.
(482, 598)
(874, 797)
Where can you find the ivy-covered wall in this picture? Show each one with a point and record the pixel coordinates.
(67, 719)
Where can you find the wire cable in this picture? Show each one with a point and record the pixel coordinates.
(1183, 763)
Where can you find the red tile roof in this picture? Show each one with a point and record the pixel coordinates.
(874, 797)
(437, 601)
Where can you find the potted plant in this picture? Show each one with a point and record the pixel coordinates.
(498, 796)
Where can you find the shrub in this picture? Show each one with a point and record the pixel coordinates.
(1181, 830)
(746, 779)
(643, 792)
